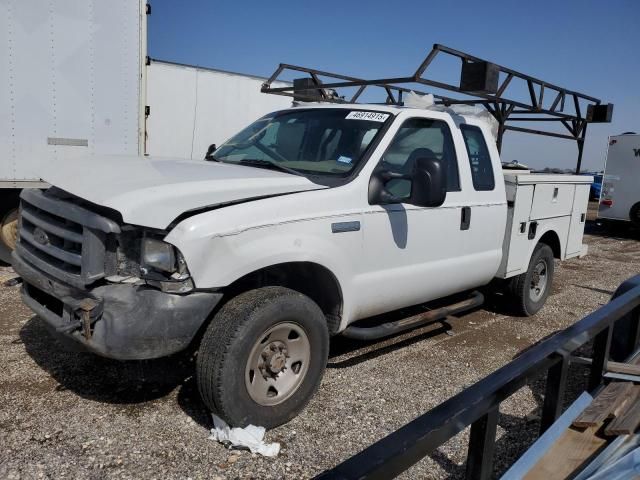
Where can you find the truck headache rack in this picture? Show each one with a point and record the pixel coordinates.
(614, 330)
(489, 84)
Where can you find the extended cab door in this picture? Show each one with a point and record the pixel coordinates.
(486, 197)
(414, 254)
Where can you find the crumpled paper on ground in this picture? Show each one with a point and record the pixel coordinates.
(251, 437)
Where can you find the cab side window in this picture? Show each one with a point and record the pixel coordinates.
(420, 138)
(479, 158)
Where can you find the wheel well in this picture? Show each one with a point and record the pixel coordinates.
(308, 278)
(551, 238)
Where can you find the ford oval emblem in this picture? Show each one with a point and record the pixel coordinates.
(40, 236)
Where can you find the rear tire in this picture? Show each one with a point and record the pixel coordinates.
(262, 357)
(531, 289)
(634, 215)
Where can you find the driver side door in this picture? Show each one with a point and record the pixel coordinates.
(414, 254)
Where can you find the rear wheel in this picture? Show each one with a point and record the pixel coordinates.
(531, 289)
(262, 357)
(634, 214)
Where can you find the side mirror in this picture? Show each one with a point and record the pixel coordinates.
(425, 187)
(210, 150)
(428, 183)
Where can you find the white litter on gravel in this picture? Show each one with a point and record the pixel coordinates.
(251, 437)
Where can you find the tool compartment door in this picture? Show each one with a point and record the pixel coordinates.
(552, 200)
(517, 243)
(578, 220)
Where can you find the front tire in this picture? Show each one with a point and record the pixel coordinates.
(531, 289)
(262, 357)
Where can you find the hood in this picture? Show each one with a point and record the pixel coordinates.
(152, 192)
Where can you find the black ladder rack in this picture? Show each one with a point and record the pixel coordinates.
(487, 83)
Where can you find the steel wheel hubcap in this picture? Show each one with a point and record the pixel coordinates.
(277, 364)
(538, 281)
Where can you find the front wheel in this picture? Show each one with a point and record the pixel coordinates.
(531, 289)
(262, 357)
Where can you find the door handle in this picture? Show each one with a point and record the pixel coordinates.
(465, 218)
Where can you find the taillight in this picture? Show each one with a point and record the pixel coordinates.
(607, 202)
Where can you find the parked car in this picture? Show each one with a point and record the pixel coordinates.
(596, 187)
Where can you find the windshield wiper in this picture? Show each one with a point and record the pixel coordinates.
(254, 162)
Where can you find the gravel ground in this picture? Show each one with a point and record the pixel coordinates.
(76, 415)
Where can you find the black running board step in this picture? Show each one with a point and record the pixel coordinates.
(392, 328)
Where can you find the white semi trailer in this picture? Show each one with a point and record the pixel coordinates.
(620, 197)
(75, 79)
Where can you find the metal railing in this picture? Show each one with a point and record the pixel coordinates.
(614, 330)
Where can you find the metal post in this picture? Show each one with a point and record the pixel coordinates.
(601, 346)
(482, 441)
(500, 135)
(503, 111)
(580, 141)
(626, 332)
(497, 112)
(554, 392)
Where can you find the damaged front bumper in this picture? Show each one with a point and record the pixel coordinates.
(120, 321)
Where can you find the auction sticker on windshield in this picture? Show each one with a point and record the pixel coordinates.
(372, 116)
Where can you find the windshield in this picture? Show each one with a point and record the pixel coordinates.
(318, 141)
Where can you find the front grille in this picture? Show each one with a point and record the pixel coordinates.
(62, 238)
(52, 238)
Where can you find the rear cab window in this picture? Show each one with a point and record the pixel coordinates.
(479, 158)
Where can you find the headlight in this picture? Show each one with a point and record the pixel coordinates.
(142, 258)
(158, 255)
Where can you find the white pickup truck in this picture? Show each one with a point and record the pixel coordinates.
(310, 219)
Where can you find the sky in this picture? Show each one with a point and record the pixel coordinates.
(589, 46)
